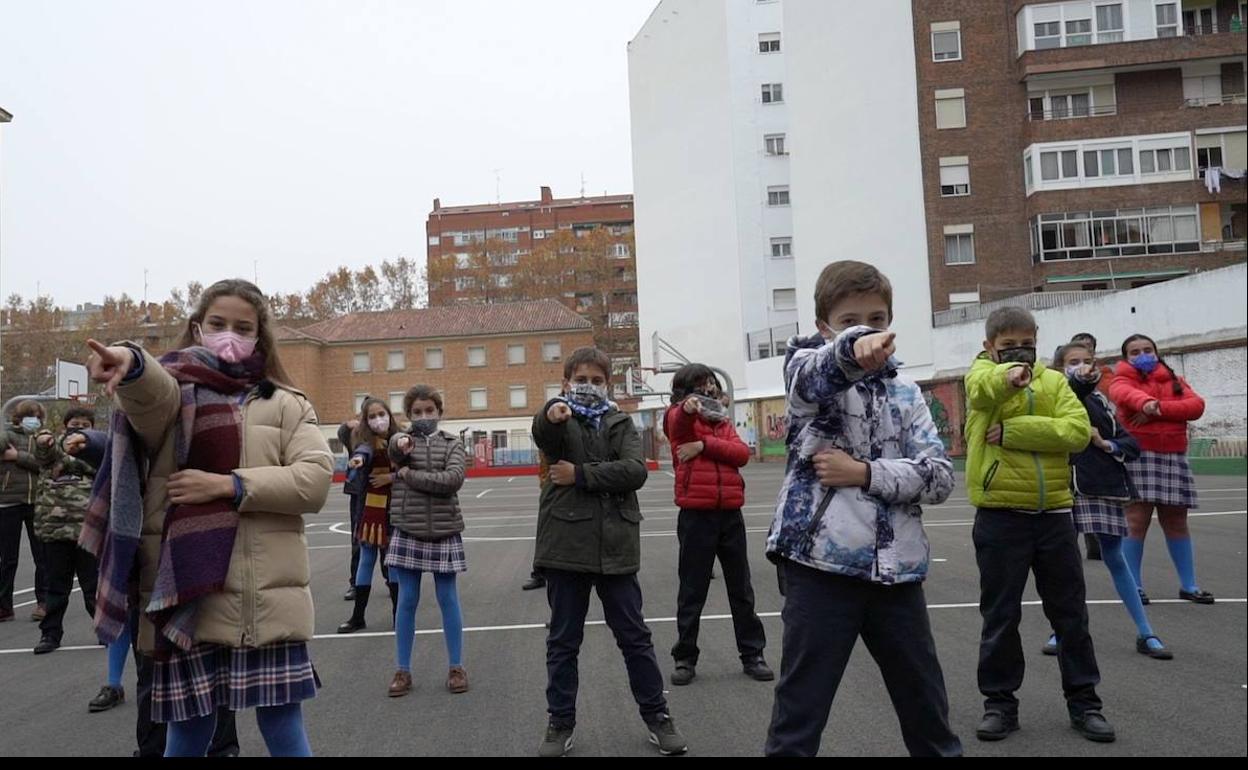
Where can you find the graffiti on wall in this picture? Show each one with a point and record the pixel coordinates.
(747, 424)
(775, 426)
(946, 401)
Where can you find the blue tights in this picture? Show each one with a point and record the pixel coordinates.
(405, 619)
(281, 726)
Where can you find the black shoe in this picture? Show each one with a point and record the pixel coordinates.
(1093, 726)
(1160, 653)
(351, 626)
(533, 583)
(996, 726)
(356, 621)
(663, 733)
(108, 698)
(684, 673)
(1093, 546)
(47, 644)
(1143, 596)
(758, 670)
(1050, 647)
(558, 741)
(349, 596)
(1198, 596)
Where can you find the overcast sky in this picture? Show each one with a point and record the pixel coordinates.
(194, 138)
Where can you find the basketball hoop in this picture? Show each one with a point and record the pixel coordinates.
(635, 380)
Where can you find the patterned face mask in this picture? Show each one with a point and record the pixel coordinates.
(587, 394)
(1018, 355)
(713, 410)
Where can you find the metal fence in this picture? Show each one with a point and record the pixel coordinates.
(1042, 300)
(768, 343)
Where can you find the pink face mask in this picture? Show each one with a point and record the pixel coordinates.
(230, 347)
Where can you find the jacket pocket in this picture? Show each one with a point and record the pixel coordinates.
(992, 472)
(630, 512)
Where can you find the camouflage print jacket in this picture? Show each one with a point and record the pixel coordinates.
(65, 487)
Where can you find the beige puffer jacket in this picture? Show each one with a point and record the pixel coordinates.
(286, 469)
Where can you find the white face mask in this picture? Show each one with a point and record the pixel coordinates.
(379, 424)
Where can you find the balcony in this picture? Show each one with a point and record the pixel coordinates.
(768, 343)
(1036, 301)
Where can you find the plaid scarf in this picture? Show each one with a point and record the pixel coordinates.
(197, 540)
(590, 414)
(375, 522)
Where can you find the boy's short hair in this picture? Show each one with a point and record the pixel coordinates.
(1009, 319)
(421, 393)
(587, 355)
(79, 413)
(1084, 337)
(846, 278)
(28, 408)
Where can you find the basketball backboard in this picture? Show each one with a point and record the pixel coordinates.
(71, 379)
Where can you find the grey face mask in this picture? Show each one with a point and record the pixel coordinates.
(587, 394)
(713, 410)
(425, 426)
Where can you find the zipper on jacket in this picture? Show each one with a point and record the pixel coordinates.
(992, 472)
(428, 498)
(1035, 456)
(250, 581)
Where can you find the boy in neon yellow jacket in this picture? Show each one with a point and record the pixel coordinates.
(1023, 423)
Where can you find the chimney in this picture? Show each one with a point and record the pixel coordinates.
(437, 204)
(546, 196)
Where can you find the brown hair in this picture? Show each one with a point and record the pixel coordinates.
(1008, 319)
(265, 342)
(587, 356)
(846, 278)
(1059, 355)
(1175, 385)
(363, 433)
(28, 408)
(78, 413)
(421, 393)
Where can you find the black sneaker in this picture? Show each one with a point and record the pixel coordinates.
(349, 596)
(1093, 726)
(996, 726)
(663, 733)
(684, 673)
(108, 698)
(533, 583)
(1143, 596)
(1198, 596)
(47, 644)
(558, 741)
(1050, 647)
(758, 670)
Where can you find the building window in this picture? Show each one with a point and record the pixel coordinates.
(946, 45)
(773, 93)
(477, 401)
(1048, 35)
(476, 355)
(434, 240)
(1109, 27)
(396, 402)
(784, 299)
(1165, 161)
(1079, 32)
(769, 42)
(1107, 163)
(1116, 233)
(515, 355)
(955, 177)
(396, 361)
(959, 246)
(361, 362)
(539, 235)
(778, 196)
(519, 397)
(951, 108)
(357, 403)
(773, 144)
(1059, 164)
(781, 248)
(433, 358)
(553, 390)
(620, 251)
(552, 351)
(1167, 19)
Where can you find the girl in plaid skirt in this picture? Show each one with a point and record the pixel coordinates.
(1102, 485)
(425, 537)
(1156, 405)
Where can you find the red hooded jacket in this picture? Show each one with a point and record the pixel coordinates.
(1130, 391)
(710, 481)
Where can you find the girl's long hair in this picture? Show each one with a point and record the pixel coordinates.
(1174, 378)
(265, 342)
(363, 433)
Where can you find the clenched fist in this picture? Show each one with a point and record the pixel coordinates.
(559, 413)
(1018, 376)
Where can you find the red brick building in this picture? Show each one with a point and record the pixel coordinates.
(494, 364)
(579, 251)
(1066, 145)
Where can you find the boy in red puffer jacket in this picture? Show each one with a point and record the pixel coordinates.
(706, 456)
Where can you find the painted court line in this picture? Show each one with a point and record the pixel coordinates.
(542, 626)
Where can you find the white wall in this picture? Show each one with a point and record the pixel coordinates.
(856, 173)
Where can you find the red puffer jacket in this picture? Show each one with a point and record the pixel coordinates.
(1131, 390)
(711, 480)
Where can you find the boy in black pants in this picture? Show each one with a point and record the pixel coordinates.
(589, 537)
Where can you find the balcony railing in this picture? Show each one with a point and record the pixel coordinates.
(1042, 300)
(1067, 113)
(768, 343)
(1214, 101)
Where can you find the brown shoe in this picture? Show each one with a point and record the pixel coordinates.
(401, 684)
(39, 613)
(457, 680)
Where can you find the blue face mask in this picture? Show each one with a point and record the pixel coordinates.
(32, 424)
(1145, 363)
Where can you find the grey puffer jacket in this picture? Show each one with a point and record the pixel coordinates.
(425, 500)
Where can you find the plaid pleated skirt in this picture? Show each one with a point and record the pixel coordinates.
(197, 682)
(1098, 516)
(443, 556)
(1163, 478)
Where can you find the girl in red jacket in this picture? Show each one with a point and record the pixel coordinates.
(1156, 404)
(706, 456)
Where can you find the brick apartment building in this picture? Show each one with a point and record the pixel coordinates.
(1066, 145)
(488, 253)
(494, 364)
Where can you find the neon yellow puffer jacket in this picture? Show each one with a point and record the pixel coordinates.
(1042, 425)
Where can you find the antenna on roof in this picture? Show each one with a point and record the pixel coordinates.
(582, 184)
(498, 186)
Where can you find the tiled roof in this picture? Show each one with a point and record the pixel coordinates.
(546, 315)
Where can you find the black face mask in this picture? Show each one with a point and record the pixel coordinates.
(1019, 355)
